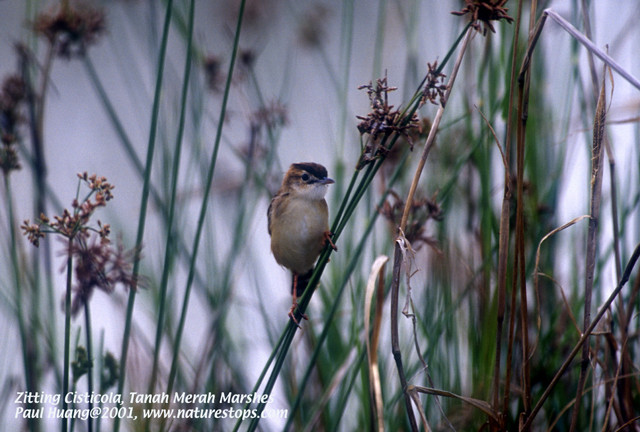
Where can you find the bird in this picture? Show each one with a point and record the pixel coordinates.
(298, 223)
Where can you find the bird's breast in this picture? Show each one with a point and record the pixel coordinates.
(297, 235)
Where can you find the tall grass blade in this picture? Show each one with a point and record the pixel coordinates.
(205, 200)
(143, 205)
(170, 246)
(377, 273)
(504, 231)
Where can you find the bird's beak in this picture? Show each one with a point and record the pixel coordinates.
(326, 181)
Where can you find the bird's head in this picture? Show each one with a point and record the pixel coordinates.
(306, 180)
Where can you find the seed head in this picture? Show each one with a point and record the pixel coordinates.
(485, 11)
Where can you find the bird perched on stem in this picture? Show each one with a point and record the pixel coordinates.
(299, 223)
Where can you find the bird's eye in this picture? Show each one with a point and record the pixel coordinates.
(305, 177)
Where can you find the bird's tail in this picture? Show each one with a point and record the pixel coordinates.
(303, 281)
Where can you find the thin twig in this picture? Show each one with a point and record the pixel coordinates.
(480, 404)
(566, 25)
(596, 196)
(536, 270)
(395, 344)
(615, 383)
(524, 85)
(432, 133)
(397, 263)
(408, 257)
(503, 242)
(614, 211)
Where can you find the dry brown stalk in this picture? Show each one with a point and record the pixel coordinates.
(398, 255)
(503, 242)
(377, 274)
(587, 334)
(524, 85)
(432, 133)
(596, 197)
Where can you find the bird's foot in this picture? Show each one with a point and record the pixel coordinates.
(327, 240)
(292, 314)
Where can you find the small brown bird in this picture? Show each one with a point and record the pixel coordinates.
(299, 223)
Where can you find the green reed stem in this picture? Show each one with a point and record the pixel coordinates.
(87, 324)
(342, 404)
(67, 335)
(276, 348)
(337, 227)
(355, 258)
(205, 200)
(291, 328)
(143, 205)
(127, 145)
(15, 264)
(170, 247)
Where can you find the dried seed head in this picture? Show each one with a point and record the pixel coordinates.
(71, 30)
(312, 31)
(213, 73)
(382, 120)
(485, 11)
(420, 212)
(434, 87)
(11, 97)
(14, 91)
(98, 265)
(76, 222)
(33, 233)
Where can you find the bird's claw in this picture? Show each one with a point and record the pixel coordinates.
(292, 314)
(327, 240)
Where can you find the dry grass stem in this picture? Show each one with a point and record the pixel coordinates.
(519, 278)
(434, 128)
(377, 274)
(566, 25)
(537, 273)
(479, 404)
(416, 400)
(585, 336)
(596, 197)
(395, 340)
(503, 241)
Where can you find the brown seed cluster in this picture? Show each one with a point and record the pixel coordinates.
(434, 87)
(32, 231)
(215, 77)
(71, 30)
(485, 11)
(212, 67)
(12, 95)
(97, 263)
(273, 115)
(267, 118)
(421, 211)
(312, 31)
(76, 222)
(381, 121)
(98, 266)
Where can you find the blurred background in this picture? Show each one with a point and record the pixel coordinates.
(294, 97)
